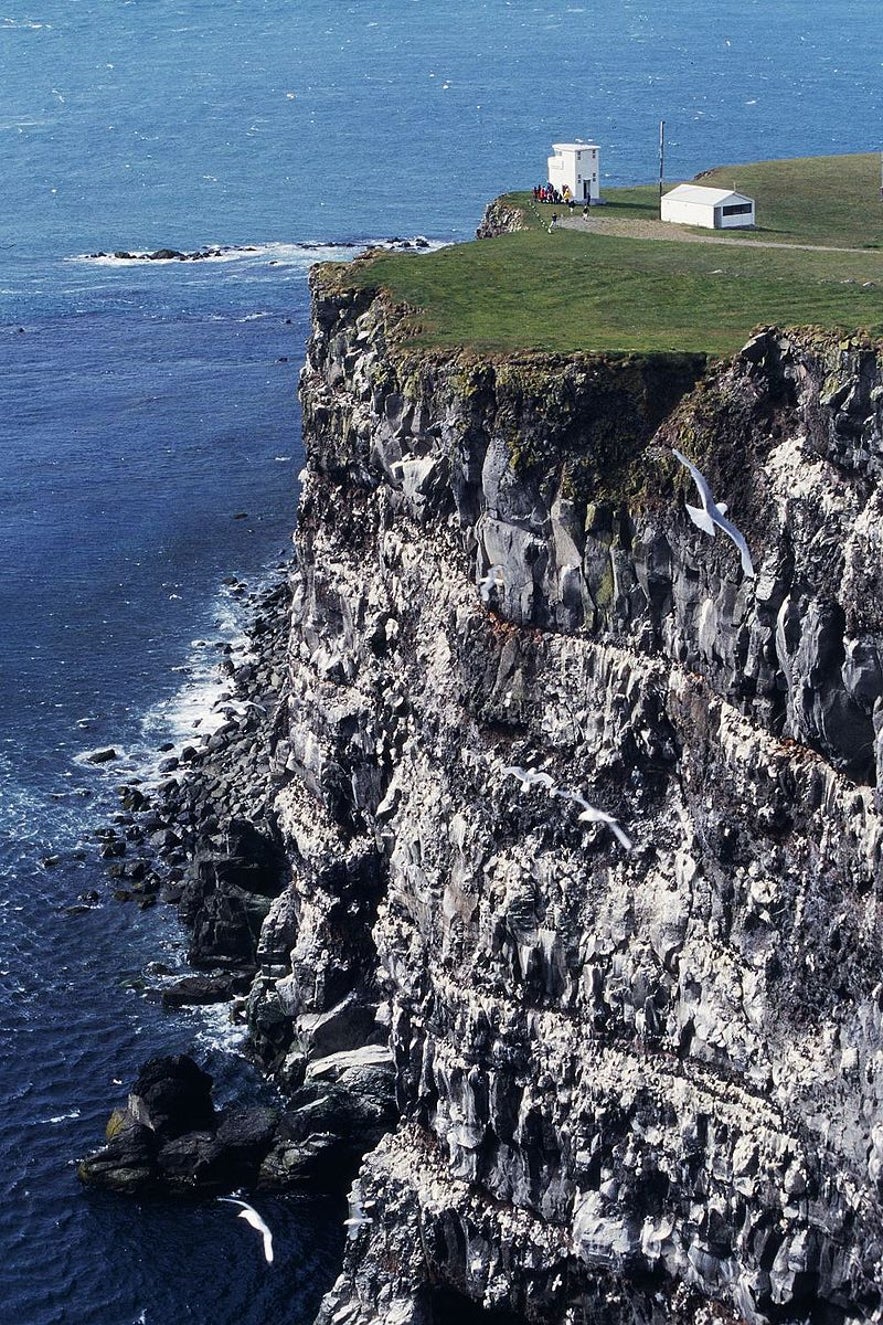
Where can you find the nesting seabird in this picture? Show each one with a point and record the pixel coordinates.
(357, 1214)
(713, 513)
(251, 1216)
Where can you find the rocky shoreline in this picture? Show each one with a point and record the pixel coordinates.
(204, 838)
(208, 252)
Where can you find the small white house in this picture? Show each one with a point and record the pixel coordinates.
(576, 166)
(717, 209)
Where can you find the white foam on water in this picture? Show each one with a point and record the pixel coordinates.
(299, 254)
(217, 1030)
(59, 1118)
(203, 703)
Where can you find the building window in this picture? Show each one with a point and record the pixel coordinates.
(737, 209)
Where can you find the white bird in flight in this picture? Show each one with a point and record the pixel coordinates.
(495, 579)
(591, 814)
(530, 777)
(713, 513)
(251, 1216)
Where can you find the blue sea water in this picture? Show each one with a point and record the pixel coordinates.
(144, 407)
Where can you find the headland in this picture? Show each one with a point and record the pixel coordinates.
(629, 1085)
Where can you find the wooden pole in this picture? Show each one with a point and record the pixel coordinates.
(661, 162)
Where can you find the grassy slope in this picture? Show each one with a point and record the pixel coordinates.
(593, 291)
(807, 200)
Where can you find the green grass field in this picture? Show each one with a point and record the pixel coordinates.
(607, 292)
(825, 200)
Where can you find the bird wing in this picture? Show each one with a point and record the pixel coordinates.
(700, 518)
(698, 477)
(514, 771)
(739, 539)
(593, 815)
(621, 835)
(252, 1217)
(571, 796)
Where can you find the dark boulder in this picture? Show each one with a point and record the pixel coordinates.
(173, 1096)
(127, 1164)
(199, 990)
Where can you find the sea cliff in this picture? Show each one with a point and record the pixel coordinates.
(632, 1085)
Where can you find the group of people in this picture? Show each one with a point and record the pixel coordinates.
(565, 198)
(548, 193)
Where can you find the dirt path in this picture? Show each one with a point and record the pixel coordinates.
(639, 229)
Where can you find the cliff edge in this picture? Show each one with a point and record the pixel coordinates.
(635, 1085)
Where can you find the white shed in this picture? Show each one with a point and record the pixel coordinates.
(717, 209)
(576, 166)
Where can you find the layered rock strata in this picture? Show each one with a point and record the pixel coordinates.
(635, 1085)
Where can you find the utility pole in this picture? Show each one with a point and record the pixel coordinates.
(661, 162)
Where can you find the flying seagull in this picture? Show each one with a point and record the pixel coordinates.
(495, 579)
(713, 513)
(592, 815)
(251, 1216)
(530, 777)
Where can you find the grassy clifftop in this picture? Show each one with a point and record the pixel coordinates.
(624, 282)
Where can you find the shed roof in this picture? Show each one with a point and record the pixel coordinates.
(578, 146)
(698, 193)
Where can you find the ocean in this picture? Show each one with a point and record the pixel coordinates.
(150, 446)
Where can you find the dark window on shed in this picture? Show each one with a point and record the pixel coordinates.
(737, 209)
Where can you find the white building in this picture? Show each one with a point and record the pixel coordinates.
(717, 209)
(576, 166)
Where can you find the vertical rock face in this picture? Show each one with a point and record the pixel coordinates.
(633, 1085)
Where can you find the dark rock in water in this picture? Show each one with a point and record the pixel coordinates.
(184, 1163)
(102, 756)
(169, 1140)
(133, 799)
(127, 1164)
(173, 1095)
(243, 1140)
(198, 990)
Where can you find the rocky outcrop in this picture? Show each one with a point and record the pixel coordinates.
(635, 1085)
(500, 218)
(169, 1139)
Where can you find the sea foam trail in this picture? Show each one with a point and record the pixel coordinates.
(272, 253)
